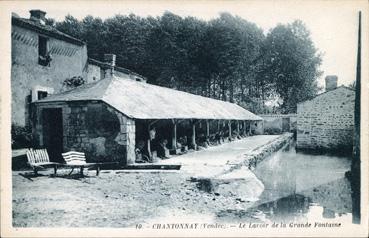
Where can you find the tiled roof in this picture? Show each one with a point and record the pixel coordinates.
(146, 101)
(45, 29)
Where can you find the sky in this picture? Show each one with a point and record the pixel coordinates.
(333, 24)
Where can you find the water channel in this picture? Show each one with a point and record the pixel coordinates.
(299, 188)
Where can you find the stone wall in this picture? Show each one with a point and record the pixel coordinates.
(92, 73)
(279, 123)
(68, 60)
(327, 121)
(95, 128)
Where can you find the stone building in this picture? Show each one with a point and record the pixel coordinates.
(107, 118)
(326, 122)
(43, 58)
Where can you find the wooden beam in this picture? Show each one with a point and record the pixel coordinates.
(194, 134)
(238, 127)
(149, 141)
(230, 128)
(244, 128)
(250, 128)
(174, 135)
(207, 128)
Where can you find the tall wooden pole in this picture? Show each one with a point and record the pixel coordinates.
(355, 164)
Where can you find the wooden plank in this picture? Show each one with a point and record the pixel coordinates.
(75, 161)
(74, 156)
(43, 157)
(30, 156)
(37, 156)
(47, 156)
(152, 166)
(73, 153)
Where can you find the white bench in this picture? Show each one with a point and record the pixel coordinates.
(76, 159)
(39, 158)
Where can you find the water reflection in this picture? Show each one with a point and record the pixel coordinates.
(299, 187)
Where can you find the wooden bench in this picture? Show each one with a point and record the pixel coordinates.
(39, 158)
(76, 159)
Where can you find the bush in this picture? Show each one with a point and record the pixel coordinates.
(74, 82)
(21, 137)
(272, 131)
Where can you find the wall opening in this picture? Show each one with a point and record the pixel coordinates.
(43, 55)
(41, 95)
(52, 132)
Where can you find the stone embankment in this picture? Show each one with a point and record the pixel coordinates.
(239, 180)
(252, 158)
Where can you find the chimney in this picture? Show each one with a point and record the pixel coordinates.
(109, 59)
(38, 16)
(330, 82)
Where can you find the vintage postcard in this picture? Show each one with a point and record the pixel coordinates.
(184, 118)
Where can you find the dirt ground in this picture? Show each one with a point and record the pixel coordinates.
(119, 198)
(113, 199)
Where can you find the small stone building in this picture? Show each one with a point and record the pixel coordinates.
(104, 119)
(326, 122)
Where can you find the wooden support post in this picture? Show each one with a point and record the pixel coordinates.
(218, 128)
(149, 142)
(81, 171)
(244, 128)
(207, 128)
(250, 128)
(174, 135)
(194, 134)
(230, 129)
(238, 127)
(97, 170)
(55, 168)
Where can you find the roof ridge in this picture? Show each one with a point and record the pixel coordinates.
(45, 29)
(147, 101)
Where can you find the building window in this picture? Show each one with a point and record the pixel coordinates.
(40, 92)
(44, 58)
(41, 95)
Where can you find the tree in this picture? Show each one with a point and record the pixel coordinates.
(70, 26)
(226, 58)
(291, 64)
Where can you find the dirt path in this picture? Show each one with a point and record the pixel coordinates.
(113, 199)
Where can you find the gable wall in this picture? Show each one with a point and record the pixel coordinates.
(327, 121)
(68, 60)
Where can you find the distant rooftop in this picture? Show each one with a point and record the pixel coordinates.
(117, 68)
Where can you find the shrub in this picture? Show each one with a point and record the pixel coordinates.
(21, 136)
(272, 131)
(74, 82)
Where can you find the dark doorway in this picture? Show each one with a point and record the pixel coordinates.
(285, 124)
(52, 127)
